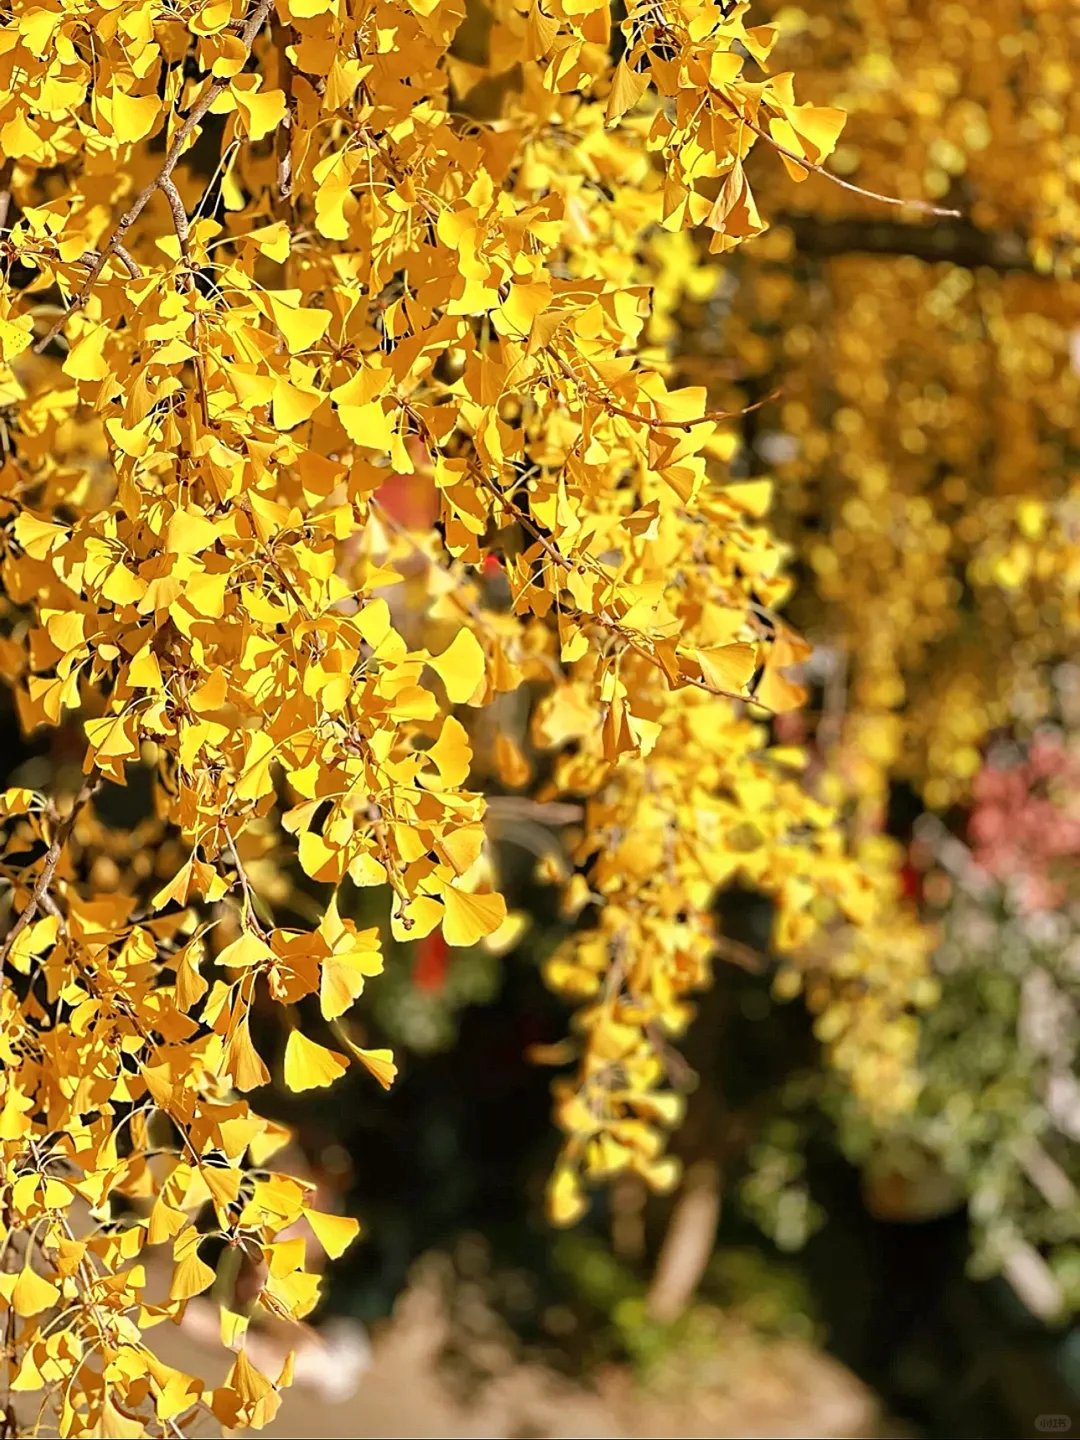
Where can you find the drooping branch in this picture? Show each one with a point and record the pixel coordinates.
(925, 207)
(160, 180)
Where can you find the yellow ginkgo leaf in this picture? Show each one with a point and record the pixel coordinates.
(335, 1233)
(727, 668)
(343, 977)
(190, 532)
(244, 1062)
(469, 917)
(460, 667)
(248, 949)
(566, 1203)
(15, 338)
(818, 127)
(191, 1276)
(416, 918)
(32, 1293)
(174, 1390)
(115, 1424)
(293, 405)
(262, 111)
(451, 753)
(133, 116)
(273, 241)
(300, 327)
(379, 1062)
(145, 671)
(28, 1377)
(514, 769)
(86, 361)
(506, 936)
(308, 1065)
(627, 88)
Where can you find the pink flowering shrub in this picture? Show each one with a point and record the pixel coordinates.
(1025, 824)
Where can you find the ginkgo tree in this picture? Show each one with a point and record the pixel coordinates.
(261, 261)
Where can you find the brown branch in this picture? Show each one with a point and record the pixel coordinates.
(247, 888)
(180, 220)
(283, 139)
(526, 521)
(544, 812)
(179, 140)
(183, 235)
(7, 169)
(48, 870)
(956, 241)
(90, 258)
(681, 1075)
(688, 1243)
(393, 874)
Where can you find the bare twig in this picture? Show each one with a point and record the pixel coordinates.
(1033, 1280)
(48, 870)
(924, 206)
(709, 417)
(736, 953)
(247, 888)
(520, 807)
(680, 1073)
(283, 139)
(1046, 1175)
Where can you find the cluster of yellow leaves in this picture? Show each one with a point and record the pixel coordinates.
(118, 1084)
(259, 263)
(710, 805)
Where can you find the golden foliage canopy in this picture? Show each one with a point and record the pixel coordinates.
(261, 263)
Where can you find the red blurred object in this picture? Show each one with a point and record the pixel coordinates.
(910, 882)
(412, 500)
(431, 963)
